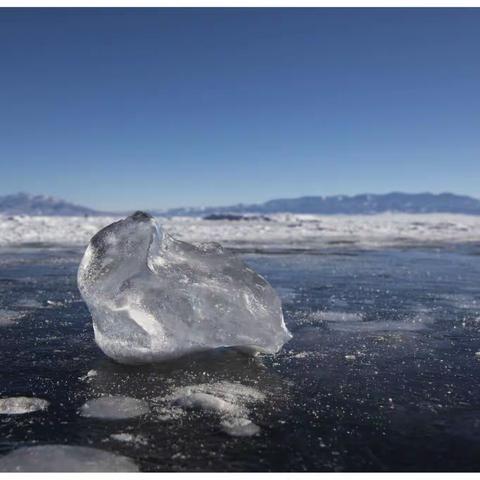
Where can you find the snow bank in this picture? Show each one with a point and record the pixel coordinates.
(281, 231)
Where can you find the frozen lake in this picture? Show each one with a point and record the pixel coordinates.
(381, 374)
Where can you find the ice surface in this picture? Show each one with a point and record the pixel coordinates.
(29, 303)
(239, 427)
(206, 401)
(153, 297)
(114, 408)
(64, 458)
(414, 323)
(9, 317)
(331, 316)
(129, 438)
(230, 401)
(168, 413)
(21, 405)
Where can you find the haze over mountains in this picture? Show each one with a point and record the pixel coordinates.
(25, 204)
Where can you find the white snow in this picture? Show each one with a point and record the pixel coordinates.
(89, 375)
(64, 458)
(230, 401)
(283, 231)
(129, 438)
(114, 408)
(239, 427)
(21, 405)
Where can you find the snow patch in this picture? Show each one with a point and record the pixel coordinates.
(90, 374)
(129, 438)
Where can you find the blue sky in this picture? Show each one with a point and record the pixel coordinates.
(124, 109)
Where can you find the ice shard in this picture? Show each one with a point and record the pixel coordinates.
(153, 297)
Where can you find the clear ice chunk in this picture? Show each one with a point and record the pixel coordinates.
(153, 297)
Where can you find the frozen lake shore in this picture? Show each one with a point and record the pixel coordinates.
(277, 231)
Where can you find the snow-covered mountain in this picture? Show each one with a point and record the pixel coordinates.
(25, 204)
(344, 204)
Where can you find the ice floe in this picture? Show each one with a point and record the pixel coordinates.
(230, 401)
(22, 405)
(114, 408)
(64, 458)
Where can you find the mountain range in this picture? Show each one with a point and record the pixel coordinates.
(344, 204)
(25, 204)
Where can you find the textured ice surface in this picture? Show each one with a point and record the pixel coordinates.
(337, 316)
(114, 408)
(153, 297)
(129, 438)
(230, 401)
(89, 376)
(64, 458)
(239, 427)
(9, 318)
(29, 303)
(20, 405)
